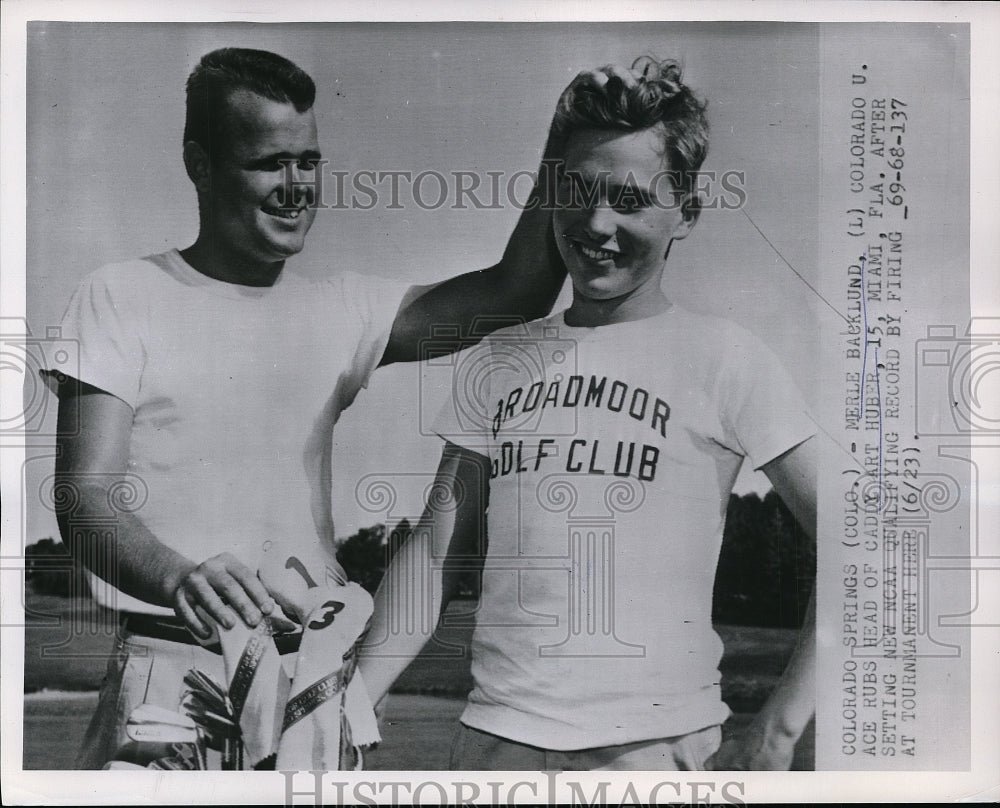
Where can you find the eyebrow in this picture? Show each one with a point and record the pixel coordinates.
(613, 189)
(277, 157)
(616, 191)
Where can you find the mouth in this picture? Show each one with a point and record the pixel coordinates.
(597, 254)
(289, 214)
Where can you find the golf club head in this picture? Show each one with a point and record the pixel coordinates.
(153, 724)
(202, 683)
(153, 714)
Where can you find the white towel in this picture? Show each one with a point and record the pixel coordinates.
(328, 715)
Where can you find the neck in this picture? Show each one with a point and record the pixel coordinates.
(588, 312)
(222, 265)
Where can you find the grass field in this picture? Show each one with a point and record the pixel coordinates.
(67, 645)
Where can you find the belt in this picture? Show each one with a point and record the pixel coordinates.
(173, 629)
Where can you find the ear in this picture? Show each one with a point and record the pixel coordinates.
(690, 210)
(198, 165)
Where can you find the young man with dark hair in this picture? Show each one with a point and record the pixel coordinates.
(599, 457)
(210, 380)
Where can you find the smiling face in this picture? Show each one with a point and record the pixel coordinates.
(251, 207)
(617, 216)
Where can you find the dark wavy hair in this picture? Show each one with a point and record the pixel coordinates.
(226, 70)
(658, 99)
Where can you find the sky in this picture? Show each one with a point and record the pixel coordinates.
(106, 181)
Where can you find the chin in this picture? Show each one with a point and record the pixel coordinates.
(286, 249)
(292, 249)
(600, 291)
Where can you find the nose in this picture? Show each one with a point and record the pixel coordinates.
(600, 222)
(300, 184)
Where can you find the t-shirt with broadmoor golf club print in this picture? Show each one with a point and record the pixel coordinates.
(613, 452)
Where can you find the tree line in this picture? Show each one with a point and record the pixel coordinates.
(765, 574)
(766, 570)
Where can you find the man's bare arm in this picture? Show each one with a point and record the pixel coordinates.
(769, 742)
(451, 531)
(526, 281)
(524, 285)
(91, 461)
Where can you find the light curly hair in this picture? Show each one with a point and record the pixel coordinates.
(658, 99)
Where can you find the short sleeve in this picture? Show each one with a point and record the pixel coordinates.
(763, 412)
(373, 303)
(105, 323)
(464, 417)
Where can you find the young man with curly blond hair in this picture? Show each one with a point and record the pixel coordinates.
(598, 457)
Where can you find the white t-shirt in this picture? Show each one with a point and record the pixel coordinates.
(614, 451)
(235, 391)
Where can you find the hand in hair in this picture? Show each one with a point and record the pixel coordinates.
(587, 80)
(648, 95)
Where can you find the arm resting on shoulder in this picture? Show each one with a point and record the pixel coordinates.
(522, 286)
